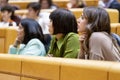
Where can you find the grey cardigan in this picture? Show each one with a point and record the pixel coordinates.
(102, 47)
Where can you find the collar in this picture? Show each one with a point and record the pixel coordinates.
(107, 4)
(60, 42)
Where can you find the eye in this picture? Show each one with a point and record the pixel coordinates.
(82, 17)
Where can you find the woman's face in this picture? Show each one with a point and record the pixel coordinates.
(82, 23)
(21, 33)
(3, 3)
(44, 4)
(6, 16)
(51, 29)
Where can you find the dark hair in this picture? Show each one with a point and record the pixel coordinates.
(32, 30)
(50, 3)
(10, 9)
(98, 21)
(35, 6)
(63, 21)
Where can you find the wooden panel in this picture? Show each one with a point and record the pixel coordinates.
(2, 39)
(77, 12)
(91, 2)
(114, 15)
(84, 70)
(114, 72)
(24, 78)
(2, 31)
(114, 28)
(10, 64)
(118, 29)
(41, 68)
(11, 34)
(8, 77)
(2, 43)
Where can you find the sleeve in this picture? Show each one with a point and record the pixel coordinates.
(72, 47)
(35, 48)
(12, 50)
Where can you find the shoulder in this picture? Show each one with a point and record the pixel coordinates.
(99, 37)
(72, 35)
(34, 42)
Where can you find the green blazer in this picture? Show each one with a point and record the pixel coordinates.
(67, 47)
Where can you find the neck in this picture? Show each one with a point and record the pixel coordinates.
(60, 35)
(35, 17)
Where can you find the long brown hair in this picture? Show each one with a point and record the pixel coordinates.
(98, 21)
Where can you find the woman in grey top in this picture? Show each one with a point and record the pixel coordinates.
(96, 40)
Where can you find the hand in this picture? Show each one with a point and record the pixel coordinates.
(18, 41)
(82, 36)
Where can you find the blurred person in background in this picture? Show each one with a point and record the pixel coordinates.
(8, 16)
(5, 3)
(113, 4)
(47, 4)
(76, 4)
(43, 20)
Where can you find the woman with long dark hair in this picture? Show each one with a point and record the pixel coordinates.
(30, 39)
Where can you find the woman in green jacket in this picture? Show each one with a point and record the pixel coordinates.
(63, 27)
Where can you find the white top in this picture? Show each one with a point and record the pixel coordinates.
(44, 20)
(6, 24)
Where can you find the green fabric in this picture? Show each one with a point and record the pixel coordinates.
(67, 47)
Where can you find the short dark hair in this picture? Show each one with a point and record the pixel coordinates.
(63, 21)
(9, 9)
(32, 29)
(35, 6)
(50, 3)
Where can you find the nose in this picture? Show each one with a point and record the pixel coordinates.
(78, 20)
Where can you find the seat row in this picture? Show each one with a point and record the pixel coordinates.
(113, 13)
(14, 67)
(60, 3)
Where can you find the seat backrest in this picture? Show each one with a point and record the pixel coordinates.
(7, 37)
(118, 29)
(10, 67)
(84, 70)
(114, 72)
(2, 39)
(40, 68)
(114, 15)
(16, 67)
